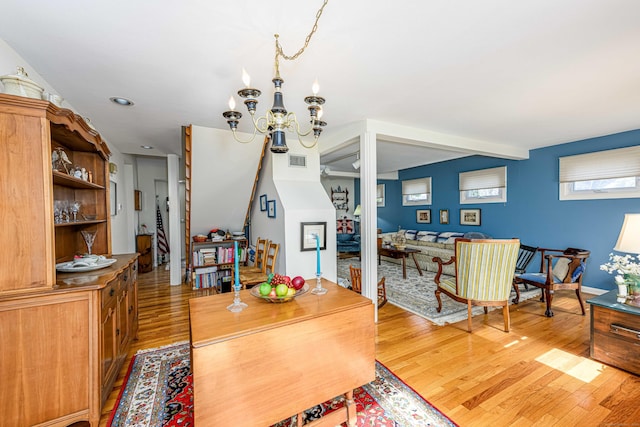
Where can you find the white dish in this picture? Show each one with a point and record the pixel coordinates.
(80, 267)
(238, 233)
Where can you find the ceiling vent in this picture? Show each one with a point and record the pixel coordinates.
(297, 161)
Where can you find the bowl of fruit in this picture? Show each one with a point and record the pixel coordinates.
(279, 288)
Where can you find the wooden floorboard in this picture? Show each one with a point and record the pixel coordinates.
(539, 374)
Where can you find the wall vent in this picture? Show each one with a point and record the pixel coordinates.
(297, 161)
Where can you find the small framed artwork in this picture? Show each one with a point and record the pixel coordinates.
(263, 202)
(308, 232)
(137, 200)
(469, 216)
(271, 208)
(444, 216)
(423, 216)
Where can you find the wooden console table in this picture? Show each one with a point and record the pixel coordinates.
(615, 332)
(271, 361)
(402, 254)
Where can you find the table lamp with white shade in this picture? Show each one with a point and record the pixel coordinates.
(629, 238)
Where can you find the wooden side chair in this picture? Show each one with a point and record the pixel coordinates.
(484, 275)
(356, 285)
(261, 255)
(251, 279)
(559, 270)
(525, 256)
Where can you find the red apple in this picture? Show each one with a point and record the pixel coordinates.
(297, 282)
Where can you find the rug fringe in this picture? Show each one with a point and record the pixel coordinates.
(175, 344)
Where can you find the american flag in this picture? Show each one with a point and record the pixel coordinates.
(163, 246)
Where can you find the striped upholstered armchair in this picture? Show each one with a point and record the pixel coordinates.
(484, 275)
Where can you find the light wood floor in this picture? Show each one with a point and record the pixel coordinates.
(539, 374)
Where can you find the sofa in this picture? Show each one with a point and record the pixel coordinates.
(348, 243)
(431, 244)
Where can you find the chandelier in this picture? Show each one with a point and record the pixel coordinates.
(277, 119)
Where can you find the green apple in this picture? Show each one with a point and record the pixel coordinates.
(281, 290)
(264, 289)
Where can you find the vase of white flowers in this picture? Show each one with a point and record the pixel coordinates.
(627, 275)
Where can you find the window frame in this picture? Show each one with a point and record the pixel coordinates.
(482, 179)
(417, 182)
(601, 165)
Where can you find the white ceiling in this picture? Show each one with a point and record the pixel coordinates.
(530, 73)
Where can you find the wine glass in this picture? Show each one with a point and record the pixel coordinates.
(89, 237)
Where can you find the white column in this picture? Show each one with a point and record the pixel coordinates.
(369, 217)
(175, 261)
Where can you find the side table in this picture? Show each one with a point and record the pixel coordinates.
(615, 332)
(143, 247)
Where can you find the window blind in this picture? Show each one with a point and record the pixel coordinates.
(608, 164)
(483, 178)
(416, 186)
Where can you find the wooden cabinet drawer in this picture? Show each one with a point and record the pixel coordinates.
(616, 338)
(109, 292)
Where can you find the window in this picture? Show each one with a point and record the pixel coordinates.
(483, 186)
(416, 192)
(380, 195)
(610, 174)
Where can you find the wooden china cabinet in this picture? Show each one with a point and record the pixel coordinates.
(64, 336)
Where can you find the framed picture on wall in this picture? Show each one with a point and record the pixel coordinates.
(444, 216)
(271, 208)
(469, 216)
(423, 216)
(308, 232)
(263, 202)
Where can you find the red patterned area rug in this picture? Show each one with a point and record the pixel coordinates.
(158, 392)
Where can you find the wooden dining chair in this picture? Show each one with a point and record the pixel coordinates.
(356, 285)
(251, 279)
(259, 265)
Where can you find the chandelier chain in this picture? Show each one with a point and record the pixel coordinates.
(280, 52)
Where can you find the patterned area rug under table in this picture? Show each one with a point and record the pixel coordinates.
(158, 392)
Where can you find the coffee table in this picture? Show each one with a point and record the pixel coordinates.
(391, 252)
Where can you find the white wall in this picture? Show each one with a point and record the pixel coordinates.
(299, 198)
(122, 226)
(149, 170)
(329, 182)
(222, 175)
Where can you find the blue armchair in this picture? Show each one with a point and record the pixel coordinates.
(348, 243)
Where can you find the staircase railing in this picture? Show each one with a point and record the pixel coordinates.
(247, 218)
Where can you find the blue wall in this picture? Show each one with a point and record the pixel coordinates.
(533, 212)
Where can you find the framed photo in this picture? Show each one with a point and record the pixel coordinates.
(271, 208)
(444, 216)
(308, 232)
(423, 216)
(469, 216)
(263, 202)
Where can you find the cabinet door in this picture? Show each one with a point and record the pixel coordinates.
(122, 330)
(133, 302)
(108, 346)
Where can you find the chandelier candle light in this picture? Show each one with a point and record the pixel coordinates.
(277, 119)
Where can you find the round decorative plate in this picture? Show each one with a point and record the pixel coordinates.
(81, 267)
(255, 291)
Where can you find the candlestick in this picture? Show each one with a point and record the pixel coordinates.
(237, 305)
(318, 290)
(317, 255)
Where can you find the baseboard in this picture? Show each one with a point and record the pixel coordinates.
(594, 291)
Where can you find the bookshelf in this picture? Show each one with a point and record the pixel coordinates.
(212, 263)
